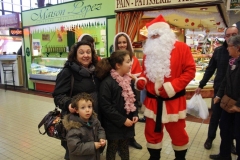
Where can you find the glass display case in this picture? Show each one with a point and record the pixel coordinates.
(46, 69)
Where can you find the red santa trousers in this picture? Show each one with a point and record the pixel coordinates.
(176, 131)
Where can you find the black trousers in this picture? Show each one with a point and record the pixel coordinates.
(64, 144)
(229, 122)
(214, 120)
(121, 146)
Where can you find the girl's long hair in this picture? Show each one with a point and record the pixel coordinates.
(106, 64)
(129, 43)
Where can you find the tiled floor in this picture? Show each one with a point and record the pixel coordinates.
(20, 114)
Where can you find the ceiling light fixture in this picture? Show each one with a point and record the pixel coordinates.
(200, 26)
(203, 9)
(175, 20)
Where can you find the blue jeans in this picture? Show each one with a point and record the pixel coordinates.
(143, 94)
(229, 127)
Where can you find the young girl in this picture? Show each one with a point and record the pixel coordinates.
(123, 42)
(85, 136)
(117, 102)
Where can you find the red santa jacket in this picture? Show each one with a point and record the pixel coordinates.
(136, 67)
(182, 72)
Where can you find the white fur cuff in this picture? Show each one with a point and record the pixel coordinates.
(169, 89)
(137, 79)
(154, 146)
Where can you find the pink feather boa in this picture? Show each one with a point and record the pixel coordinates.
(127, 93)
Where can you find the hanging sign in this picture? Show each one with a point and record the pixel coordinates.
(124, 5)
(10, 20)
(15, 32)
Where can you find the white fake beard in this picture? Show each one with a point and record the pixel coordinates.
(158, 54)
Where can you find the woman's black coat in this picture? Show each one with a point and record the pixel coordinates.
(231, 83)
(84, 81)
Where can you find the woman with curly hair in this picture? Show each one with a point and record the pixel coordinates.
(77, 76)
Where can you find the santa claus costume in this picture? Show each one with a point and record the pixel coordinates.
(168, 67)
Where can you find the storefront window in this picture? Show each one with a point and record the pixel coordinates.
(7, 5)
(17, 6)
(26, 5)
(7, 12)
(54, 1)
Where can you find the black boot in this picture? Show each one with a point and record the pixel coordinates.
(154, 154)
(180, 155)
(219, 157)
(133, 143)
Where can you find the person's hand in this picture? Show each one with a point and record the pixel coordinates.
(102, 142)
(132, 76)
(128, 123)
(97, 145)
(71, 110)
(216, 100)
(198, 90)
(163, 93)
(234, 109)
(135, 119)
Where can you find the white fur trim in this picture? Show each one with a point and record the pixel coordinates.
(137, 74)
(166, 118)
(150, 114)
(128, 38)
(140, 78)
(180, 148)
(158, 25)
(157, 85)
(154, 146)
(169, 89)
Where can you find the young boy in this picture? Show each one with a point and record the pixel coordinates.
(85, 135)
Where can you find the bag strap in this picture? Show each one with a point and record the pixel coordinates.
(40, 125)
(72, 81)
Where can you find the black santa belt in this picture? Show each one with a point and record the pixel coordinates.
(160, 100)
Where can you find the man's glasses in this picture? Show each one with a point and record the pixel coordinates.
(229, 35)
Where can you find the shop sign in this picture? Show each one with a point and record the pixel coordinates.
(15, 32)
(9, 20)
(121, 5)
(68, 12)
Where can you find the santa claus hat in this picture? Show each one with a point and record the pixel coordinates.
(158, 23)
(128, 39)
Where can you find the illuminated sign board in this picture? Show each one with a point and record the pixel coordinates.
(15, 32)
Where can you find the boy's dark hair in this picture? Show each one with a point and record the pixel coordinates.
(81, 96)
(106, 64)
